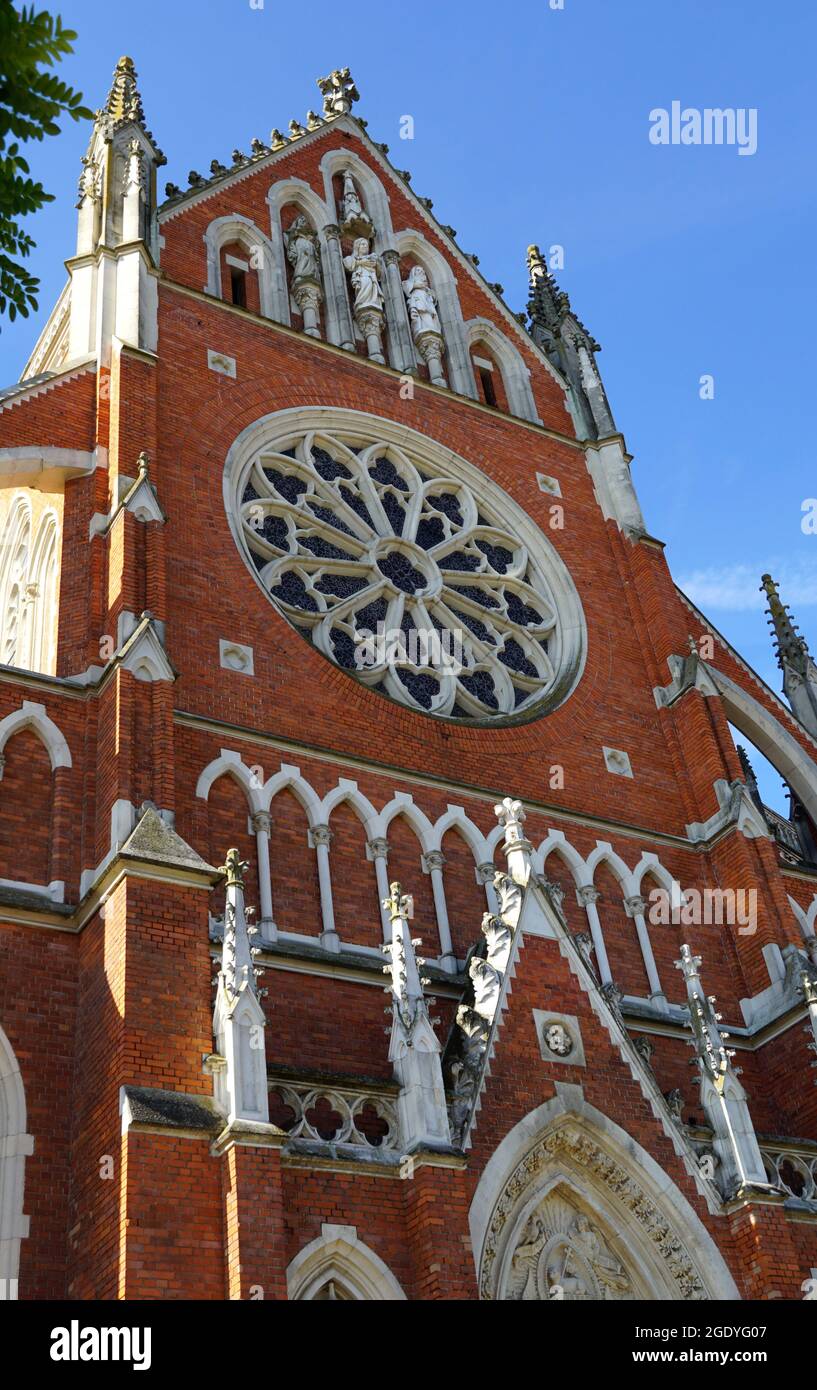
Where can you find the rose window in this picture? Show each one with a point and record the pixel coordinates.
(407, 568)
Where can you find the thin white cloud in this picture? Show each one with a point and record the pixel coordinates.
(736, 588)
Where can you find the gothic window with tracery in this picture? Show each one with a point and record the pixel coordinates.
(407, 568)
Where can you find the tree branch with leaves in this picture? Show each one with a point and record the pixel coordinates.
(31, 100)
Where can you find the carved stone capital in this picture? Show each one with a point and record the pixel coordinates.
(378, 848)
(486, 872)
(588, 894)
(635, 906)
(261, 820)
(321, 835)
(435, 859)
(390, 257)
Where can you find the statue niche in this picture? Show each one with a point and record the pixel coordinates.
(561, 1256)
(354, 219)
(426, 329)
(303, 254)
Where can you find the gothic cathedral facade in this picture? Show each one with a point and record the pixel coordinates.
(373, 840)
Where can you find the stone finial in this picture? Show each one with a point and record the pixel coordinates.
(124, 102)
(238, 1018)
(511, 816)
(792, 649)
(722, 1096)
(338, 91)
(414, 1048)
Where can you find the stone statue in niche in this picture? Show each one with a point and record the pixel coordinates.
(354, 219)
(303, 254)
(364, 271)
(426, 328)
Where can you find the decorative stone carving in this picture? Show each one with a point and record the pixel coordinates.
(524, 1266)
(303, 255)
(426, 329)
(338, 91)
(354, 219)
(562, 1256)
(584, 941)
(414, 1049)
(558, 1040)
(369, 309)
(347, 1104)
(240, 1088)
(722, 1096)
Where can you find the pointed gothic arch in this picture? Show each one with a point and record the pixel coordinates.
(771, 738)
(15, 1146)
(33, 716)
(222, 231)
(515, 374)
(15, 552)
(340, 1260)
(570, 1205)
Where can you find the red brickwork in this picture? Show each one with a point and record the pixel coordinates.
(113, 988)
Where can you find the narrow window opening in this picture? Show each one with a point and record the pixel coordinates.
(238, 286)
(488, 392)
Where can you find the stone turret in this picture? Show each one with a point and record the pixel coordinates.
(113, 287)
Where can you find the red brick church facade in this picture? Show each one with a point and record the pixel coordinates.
(280, 444)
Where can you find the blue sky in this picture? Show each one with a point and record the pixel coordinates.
(531, 124)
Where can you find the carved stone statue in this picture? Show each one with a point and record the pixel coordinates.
(425, 323)
(303, 254)
(302, 250)
(611, 1275)
(364, 270)
(354, 219)
(561, 1256)
(525, 1262)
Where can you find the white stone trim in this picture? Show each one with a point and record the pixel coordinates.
(235, 656)
(617, 762)
(339, 1253)
(235, 227)
(33, 716)
(511, 363)
(15, 1146)
(222, 363)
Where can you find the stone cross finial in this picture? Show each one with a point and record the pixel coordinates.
(338, 91)
(233, 869)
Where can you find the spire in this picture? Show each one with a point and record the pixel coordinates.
(568, 345)
(793, 657)
(116, 209)
(238, 1020)
(722, 1096)
(791, 647)
(414, 1048)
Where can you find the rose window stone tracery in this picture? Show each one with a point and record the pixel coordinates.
(406, 572)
